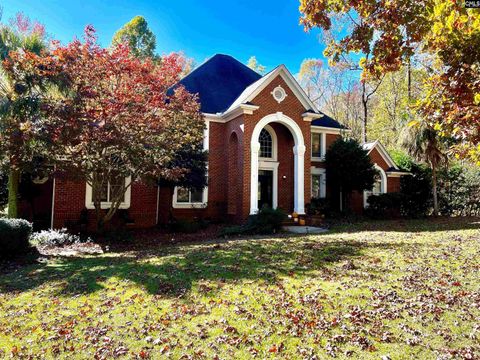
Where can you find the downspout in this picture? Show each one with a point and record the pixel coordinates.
(53, 204)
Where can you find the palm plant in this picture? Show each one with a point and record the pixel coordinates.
(13, 104)
(424, 144)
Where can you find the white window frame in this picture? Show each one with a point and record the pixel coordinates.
(190, 205)
(383, 186)
(204, 203)
(89, 204)
(323, 184)
(323, 147)
(274, 145)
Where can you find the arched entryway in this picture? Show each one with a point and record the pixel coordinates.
(258, 164)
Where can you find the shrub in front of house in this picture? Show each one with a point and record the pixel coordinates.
(384, 206)
(416, 190)
(321, 206)
(188, 226)
(14, 237)
(459, 190)
(266, 221)
(56, 238)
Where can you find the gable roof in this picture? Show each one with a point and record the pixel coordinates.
(255, 88)
(369, 146)
(218, 82)
(224, 84)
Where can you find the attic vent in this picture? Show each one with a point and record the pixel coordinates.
(279, 94)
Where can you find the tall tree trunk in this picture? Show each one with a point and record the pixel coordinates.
(365, 112)
(13, 182)
(434, 186)
(409, 80)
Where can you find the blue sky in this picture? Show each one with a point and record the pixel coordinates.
(268, 29)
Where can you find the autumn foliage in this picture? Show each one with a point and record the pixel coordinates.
(445, 35)
(117, 118)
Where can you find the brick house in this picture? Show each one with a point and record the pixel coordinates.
(266, 141)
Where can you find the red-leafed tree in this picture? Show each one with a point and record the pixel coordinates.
(121, 122)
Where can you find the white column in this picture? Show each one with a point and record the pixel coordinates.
(255, 146)
(299, 179)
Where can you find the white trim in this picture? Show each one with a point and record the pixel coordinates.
(272, 166)
(231, 114)
(309, 116)
(383, 187)
(206, 135)
(283, 95)
(323, 187)
(214, 118)
(254, 89)
(53, 204)
(329, 130)
(106, 205)
(323, 144)
(190, 205)
(299, 161)
(273, 134)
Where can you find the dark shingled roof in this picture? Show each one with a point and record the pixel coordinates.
(222, 79)
(218, 82)
(327, 121)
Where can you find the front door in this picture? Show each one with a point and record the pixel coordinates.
(265, 188)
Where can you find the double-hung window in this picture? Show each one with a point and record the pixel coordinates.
(186, 198)
(318, 146)
(116, 187)
(318, 183)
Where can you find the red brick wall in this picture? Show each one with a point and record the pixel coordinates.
(393, 184)
(70, 201)
(236, 188)
(378, 159)
(290, 107)
(217, 208)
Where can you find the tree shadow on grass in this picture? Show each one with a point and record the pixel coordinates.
(429, 224)
(173, 270)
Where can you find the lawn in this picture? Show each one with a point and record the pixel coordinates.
(383, 290)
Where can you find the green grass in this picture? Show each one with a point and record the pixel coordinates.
(406, 290)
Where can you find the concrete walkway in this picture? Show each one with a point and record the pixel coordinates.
(304, 229)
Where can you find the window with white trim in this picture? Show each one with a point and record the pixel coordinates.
(110, 190)
(266, 144)
(186, 198)
(318, 145)
(379, 187)
(319, 183)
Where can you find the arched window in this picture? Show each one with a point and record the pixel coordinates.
(266, 144)
(379, 187)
